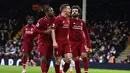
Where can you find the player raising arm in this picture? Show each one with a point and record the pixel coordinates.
(79, 39)
(60, 33)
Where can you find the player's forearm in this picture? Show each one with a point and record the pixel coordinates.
(48, 31)
(23, 33)
(87, 38)
(38, 31)
(88, 42)
(53, 35)
(21, 38)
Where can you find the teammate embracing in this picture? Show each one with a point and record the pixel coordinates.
(79, 39)
(43, 29)
(60, 36)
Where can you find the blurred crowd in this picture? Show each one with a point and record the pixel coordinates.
(12, 49)
(8, 28)
(127, 60)
(109, 39)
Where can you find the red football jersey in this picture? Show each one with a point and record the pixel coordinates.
(61, 27)
(28, 33)
(79, 32)
(36, 38)
(44, 24)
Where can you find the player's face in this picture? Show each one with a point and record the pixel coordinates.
(68, 10)
(30, 21)
(51, 12)
(75, 13)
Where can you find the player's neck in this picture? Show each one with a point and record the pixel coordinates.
(48, 17)
(29, 25)
(64, 15)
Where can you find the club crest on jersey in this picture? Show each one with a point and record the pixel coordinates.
(81, 24)
(68, 21)
(31, 29)
(26, 29)
(63, 22)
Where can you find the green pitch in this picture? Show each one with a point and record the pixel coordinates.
(18, 69)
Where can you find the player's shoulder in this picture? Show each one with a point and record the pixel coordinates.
(25, 26)
(41, 19)
(59, 17)
(71, 19)
(81, 20)
(33, 25)
(54, 17)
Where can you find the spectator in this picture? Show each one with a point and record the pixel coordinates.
(108, 40)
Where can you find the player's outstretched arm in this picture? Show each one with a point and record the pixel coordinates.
(48, 31)
(86, 35)
(38, 31)
(23, 33)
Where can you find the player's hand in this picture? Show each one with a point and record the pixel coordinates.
(87, 49)
(48, 31)
(55, 45)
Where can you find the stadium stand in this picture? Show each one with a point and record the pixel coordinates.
(127, 60)
(109, 39)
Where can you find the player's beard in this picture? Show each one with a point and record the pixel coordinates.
(51, 15)
(75, 15)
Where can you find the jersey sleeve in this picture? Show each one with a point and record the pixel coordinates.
(36, 38)
(37, 29)
(86, 35)
(56, 23)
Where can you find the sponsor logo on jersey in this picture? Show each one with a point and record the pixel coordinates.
(29, 32)
(65, 26)
(77, 27)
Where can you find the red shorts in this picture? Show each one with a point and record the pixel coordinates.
(62, 49)
(77, 48)
(45, 49)
(27, 47)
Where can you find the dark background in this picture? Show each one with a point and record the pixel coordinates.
(96, 9)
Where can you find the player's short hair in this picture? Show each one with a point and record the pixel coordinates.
(77, 7)
(63, 6)
(46, 9)
(29, 17)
